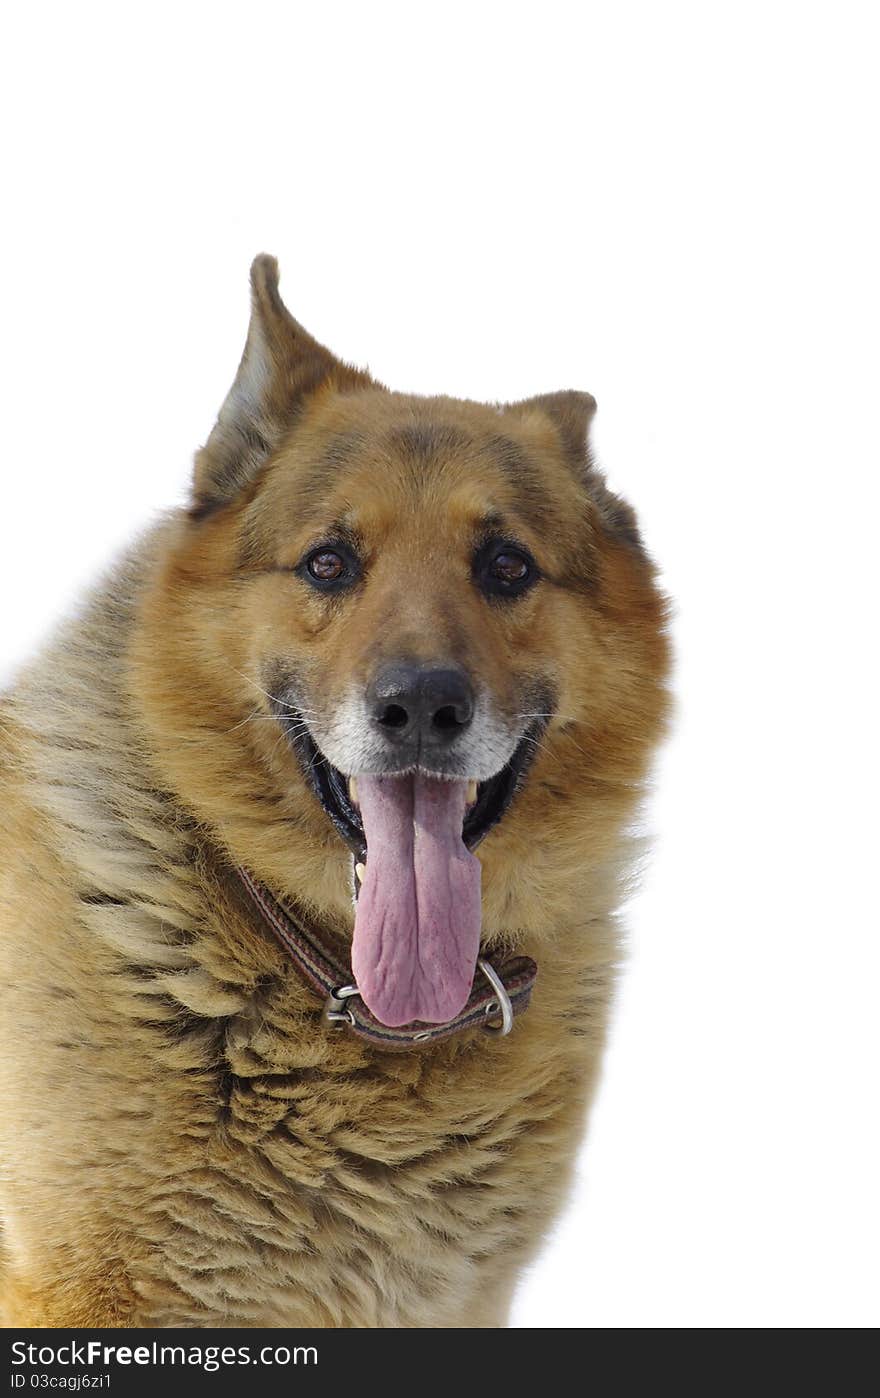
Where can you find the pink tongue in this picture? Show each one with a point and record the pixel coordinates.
(417, 926)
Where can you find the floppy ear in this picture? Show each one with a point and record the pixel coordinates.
(281, 366)
(572, 413)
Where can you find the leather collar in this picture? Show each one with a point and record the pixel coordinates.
(502, 986)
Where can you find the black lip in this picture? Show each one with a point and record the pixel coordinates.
(331, 787)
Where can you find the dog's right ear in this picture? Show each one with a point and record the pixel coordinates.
(572, 413)
(281, 366)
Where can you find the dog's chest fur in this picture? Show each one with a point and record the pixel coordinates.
(321, 1181)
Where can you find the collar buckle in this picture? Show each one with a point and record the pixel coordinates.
(500, 1005)
(336, 1013)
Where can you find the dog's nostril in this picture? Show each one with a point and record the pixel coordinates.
(394, 716)
(449, 717)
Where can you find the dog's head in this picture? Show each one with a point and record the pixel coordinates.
(399, 617)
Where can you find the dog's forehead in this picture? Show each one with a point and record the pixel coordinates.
(374, 457)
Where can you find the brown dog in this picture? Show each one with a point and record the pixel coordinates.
(442, 601)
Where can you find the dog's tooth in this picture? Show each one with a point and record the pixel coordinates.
(353, 791)
(361, 872)
(471, 796)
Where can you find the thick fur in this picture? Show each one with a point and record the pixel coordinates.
(183, 1143)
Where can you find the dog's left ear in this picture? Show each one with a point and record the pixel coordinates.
(572, 412)
(282, 366)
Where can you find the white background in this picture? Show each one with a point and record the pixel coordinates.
(675, 207)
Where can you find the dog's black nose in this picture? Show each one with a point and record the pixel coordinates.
(422, 704)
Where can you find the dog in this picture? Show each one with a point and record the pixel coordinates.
(314, 824)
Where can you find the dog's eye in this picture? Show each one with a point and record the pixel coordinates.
(329, 567)
(503, 570)
(326, 566)
(509, 568)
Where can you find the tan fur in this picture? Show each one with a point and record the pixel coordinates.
(182, 1142)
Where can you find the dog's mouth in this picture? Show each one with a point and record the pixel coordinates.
(487, 804)
(413, 834)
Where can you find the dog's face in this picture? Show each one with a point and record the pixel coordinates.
(422, 595)
(424, 561)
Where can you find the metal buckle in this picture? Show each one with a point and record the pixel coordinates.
(336, 1013)
(500, 1005)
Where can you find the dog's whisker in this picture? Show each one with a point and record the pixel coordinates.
(285, 704)
(563, 718)
(251, 717)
